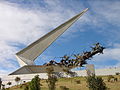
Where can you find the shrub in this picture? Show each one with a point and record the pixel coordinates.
(21, 86)
(35, 83)
(78, 81)
(26, 87)
(117, 73)
(9, 83)
(115, 79)
(24, 81)
(64, 88)
(7, 89)
(96, 83)
(0, 83)
(3, 87)
(110, 77)
(17, 79)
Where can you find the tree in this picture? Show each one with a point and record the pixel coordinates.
(3, 87)
(9, 83)
(26, 87)
(35, 83)
(17, 79)
(96, 83)
(24, 82)
(52, 79)
(110, 77)
(0, 83)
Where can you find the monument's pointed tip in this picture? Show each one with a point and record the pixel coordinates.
(85, 10)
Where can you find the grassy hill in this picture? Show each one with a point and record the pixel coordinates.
(72, 84)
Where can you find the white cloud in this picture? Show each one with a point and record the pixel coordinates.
(104, 19)
(110, 11)
(109, 54)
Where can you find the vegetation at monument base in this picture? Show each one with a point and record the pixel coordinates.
(52, 79)
(9, 83)
(0, 83)
(17, 80)
(74, 83)
(96, 83)
(34, 84)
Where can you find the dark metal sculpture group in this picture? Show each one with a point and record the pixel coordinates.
(80, 59)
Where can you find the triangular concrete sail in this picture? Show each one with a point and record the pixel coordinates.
(30, 53)
(30, 69)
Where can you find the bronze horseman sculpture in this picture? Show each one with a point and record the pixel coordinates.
(79, 60)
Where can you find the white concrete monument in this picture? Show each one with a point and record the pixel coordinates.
(27, 56)
(90, 69)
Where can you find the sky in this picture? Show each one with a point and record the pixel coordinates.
(24, 21)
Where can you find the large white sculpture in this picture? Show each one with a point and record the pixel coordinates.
(27, 56)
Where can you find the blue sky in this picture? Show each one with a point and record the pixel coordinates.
(24, 21)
